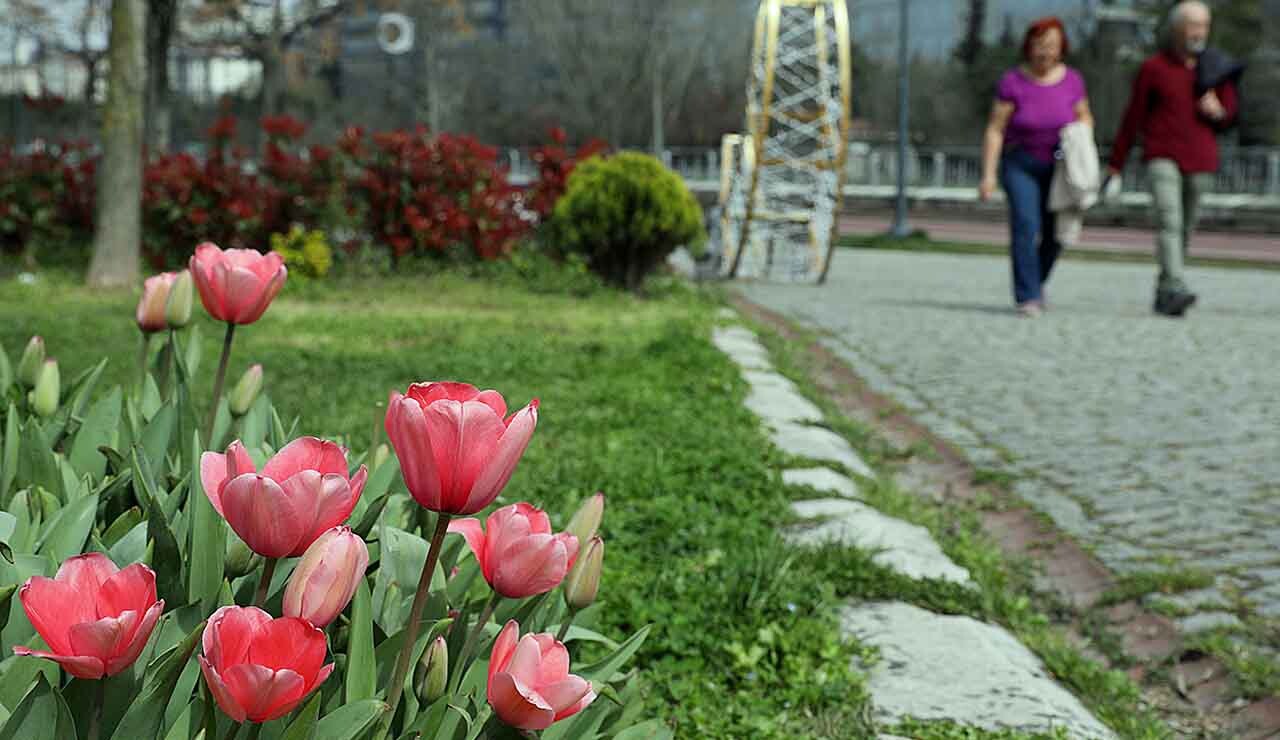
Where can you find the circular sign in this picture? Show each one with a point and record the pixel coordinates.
(395, 33)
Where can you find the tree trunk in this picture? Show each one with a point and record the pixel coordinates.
(117, 230)
(659, 115)
(161, 15)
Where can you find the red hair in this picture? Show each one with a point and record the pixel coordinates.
(1039, 28)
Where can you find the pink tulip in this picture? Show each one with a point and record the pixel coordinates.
(301, 492)
(260, 668)
(530, 686)
(155, 296)
(517, 553)
(456, 449)
(236, 285)
(95, 617)
(326, 577)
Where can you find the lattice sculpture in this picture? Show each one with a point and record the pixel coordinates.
(780, 183)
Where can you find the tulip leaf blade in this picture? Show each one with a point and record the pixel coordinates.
(166, 556)
(208, 537)
(6, 372)
(602, 671)
(145, 716)
(351, 720)
(253, 425)
(9, 458)
(362, 672)
(41, 715)
(65, 533)
(98, 429)
(37, 465)
(303, 727)
(159, 433)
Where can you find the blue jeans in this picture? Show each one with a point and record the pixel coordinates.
(1033, 245)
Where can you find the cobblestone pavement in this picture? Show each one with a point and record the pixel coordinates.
(1154, 441)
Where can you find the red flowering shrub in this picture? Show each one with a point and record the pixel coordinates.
(555, 162)
(46, 195)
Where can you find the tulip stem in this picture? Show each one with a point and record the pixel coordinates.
(218, 380)
(167, 367)
(564, 627)
(268, 570)
(99, 699)
(142, 362)
(470, 645)
(233, 731)
(415, 616)
(254, 731)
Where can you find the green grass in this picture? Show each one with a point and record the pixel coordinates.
(1170, 581)
(920, 242)
(635, 402)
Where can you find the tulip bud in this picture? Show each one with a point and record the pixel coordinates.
(584, 580)
(241, 561)
(177, 310)
(586, 520)
(246, 391)
(32, 359)
(432, 673)
(326, 577)
(44, 399)
(380, 456)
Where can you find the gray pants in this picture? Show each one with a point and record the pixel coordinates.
(1176, 197)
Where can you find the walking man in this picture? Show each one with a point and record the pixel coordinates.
(1179, 145)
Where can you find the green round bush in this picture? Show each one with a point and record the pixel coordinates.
(624, 214)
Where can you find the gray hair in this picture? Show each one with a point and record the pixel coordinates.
(1178, 16)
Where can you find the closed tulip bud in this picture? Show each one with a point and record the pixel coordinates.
(246, 391)
(177, 310)
(433, 671)
(32, 359)
(326, 577)
(583, 582)
(44, 399)
(241, 561)
(586, 520)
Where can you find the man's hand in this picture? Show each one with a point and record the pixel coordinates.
(1211, 107)
(986, 188)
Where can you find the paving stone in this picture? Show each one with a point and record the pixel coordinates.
(776, 404)
(1205, 621)
(817, 443)
(742, 347)
(957, 668)
(726, 314)
(760, 379)
(821, 479)
(904, 547)
(1192, 600)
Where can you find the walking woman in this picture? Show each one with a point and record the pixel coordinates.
(1034, 101)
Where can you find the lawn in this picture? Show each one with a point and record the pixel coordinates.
(635, 402)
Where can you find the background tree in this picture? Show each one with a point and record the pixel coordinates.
(117, 229)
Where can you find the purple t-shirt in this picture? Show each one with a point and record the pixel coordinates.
(1039, 111)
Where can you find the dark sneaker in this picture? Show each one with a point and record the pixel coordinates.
(1174, 304)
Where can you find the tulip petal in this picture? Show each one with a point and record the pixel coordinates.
(211, 291)
(80, 666)
(213, 473)
(320, 503)
(289, 643)
(230, 632)
(357, 485)
(270, 289)
(132, 589)
(555, 659)
(517, 705)
(428, 393)
(264, 692)
(582, 704)
(526, 661)
(306, 453)
(533, 565)
(102, 637)
(407, 429)
(264, 516)
(226, 700)
(52, 607)
(503, 459)
(493, 400)
(130, 651)
(475, 536)
(238, 460)
(564, 694)
(86, 573)
(503, 646)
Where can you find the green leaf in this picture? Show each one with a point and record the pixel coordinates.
(36, 464)
(99, 428)
(41, 715)
(146, 714)
(150, 402)
(402, 556)
(9, 461)
(221, 425)
(6, 372)
(303, 727)
(370, 516)
(159, 433)
(122, 526)
(191, 357)
(82, 387)
(253, 425)
(65, 534)
(6, 601)
(350, 721)
(602, 671)
(166, 556)
(362, 672)
(208, 537)
(131, 548)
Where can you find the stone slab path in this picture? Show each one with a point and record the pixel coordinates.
(1153, 441)
(933, 666)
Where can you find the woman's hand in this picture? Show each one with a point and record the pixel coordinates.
(986, 188)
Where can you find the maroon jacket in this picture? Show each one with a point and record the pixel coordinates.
(1163, 111)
